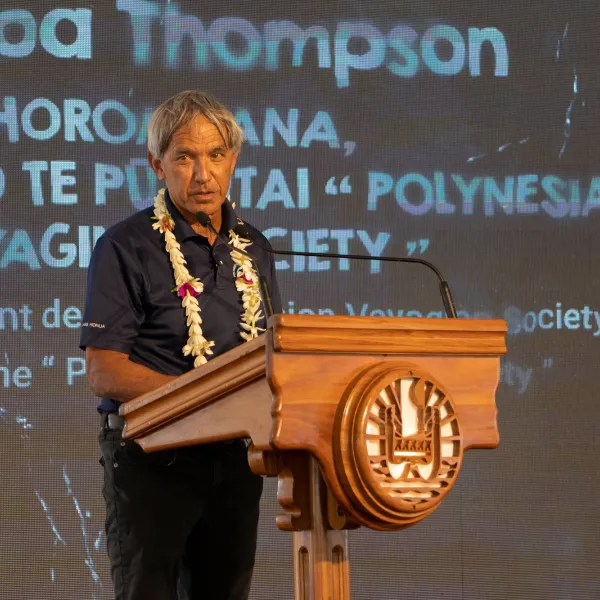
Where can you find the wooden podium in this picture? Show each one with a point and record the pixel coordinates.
(364, 420)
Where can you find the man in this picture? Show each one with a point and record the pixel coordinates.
(164, 295)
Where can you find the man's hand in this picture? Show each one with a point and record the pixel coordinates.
(112, 375)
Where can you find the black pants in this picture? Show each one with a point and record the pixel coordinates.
(180, 524)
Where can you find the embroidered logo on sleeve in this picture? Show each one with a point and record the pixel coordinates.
(92, 324)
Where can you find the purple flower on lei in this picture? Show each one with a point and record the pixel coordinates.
(186, 288)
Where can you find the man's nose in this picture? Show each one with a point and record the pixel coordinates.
(202, 171)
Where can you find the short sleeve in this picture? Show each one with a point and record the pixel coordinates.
(113, 307)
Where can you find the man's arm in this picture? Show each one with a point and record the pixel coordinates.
(112, 375)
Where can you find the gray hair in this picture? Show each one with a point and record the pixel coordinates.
(180, 109)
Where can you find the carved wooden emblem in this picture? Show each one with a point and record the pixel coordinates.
(399, 446)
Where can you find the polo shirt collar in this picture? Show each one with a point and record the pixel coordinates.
(184, 229)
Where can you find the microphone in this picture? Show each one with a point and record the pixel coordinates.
(263, 286)
(445, 292)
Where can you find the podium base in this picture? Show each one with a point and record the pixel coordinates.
(321, 557)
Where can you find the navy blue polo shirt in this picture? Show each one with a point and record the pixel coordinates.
(130, 307)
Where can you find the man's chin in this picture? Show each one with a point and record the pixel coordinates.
(209, 205)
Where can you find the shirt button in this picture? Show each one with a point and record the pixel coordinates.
(220, 262)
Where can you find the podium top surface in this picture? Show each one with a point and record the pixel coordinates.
(387, 335)
(314, 335)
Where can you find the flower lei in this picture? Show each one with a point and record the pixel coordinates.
(188, 288)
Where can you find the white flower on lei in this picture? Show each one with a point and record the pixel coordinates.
(188, 287)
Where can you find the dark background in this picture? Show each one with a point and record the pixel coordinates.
(523, 521)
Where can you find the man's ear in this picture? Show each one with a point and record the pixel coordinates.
(156, 164)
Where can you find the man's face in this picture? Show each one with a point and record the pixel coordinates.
(197, 167)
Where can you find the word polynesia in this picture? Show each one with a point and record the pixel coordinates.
(446, 194)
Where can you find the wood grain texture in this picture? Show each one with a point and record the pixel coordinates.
(387, 335)
(321, 554)
(307, 406)
(287, 389)
(394, 461)
(293, 492)
(291, 391)
(235, 374)
(243, 413)
(263, 462)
